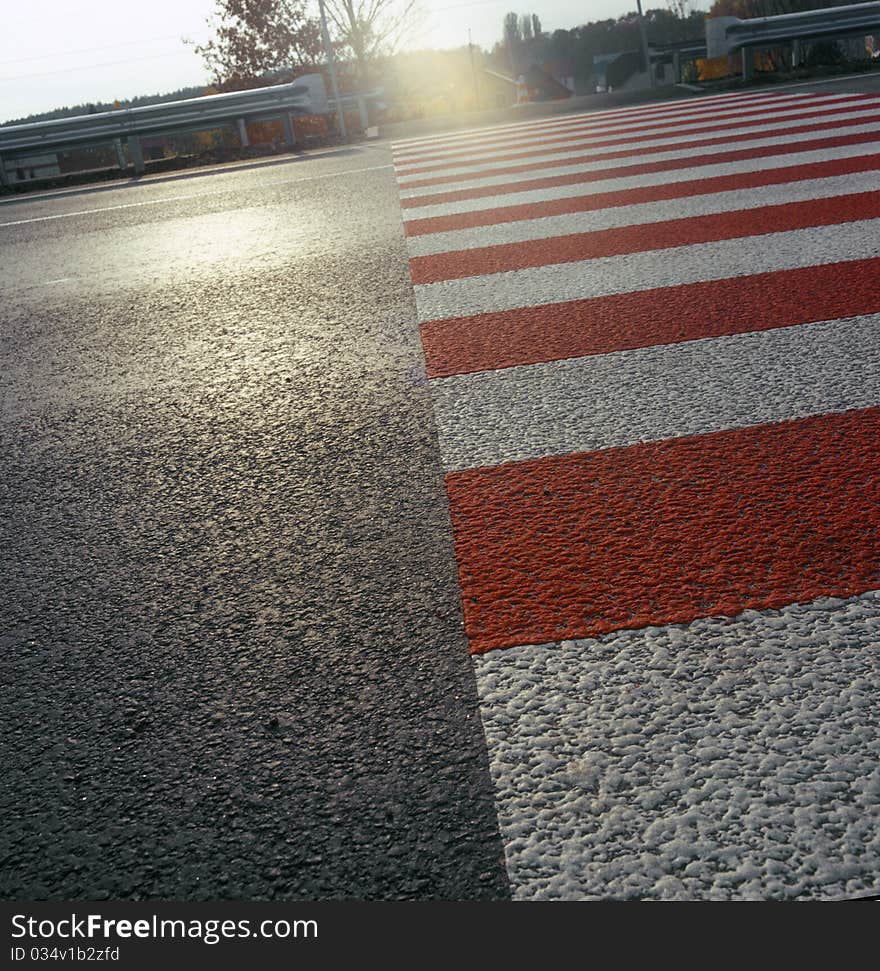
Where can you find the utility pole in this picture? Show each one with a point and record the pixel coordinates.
(331, 64)
(644, 37)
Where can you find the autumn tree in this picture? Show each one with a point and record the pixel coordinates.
(369, 29)
(519, 31)
(255, 37)
(512, 33)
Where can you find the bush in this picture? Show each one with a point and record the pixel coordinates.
(825, 53)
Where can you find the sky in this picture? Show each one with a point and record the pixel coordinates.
(56, 53)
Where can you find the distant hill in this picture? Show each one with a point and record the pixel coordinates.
(89, 109)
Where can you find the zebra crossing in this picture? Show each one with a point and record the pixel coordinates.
(651, 338)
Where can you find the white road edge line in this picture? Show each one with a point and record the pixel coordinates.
(195, 195)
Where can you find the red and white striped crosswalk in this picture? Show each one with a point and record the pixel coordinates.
(652, 337)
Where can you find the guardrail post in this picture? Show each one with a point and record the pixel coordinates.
(136, 153)
(120, 154)
(289, 134)
(676, 67)
(241, 124)
(4, 175)
(646, 51)
(362, 108)
(748, 63)
(795, 52)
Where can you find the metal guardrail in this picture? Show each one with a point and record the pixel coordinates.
(360, 102)
(304, 96)
(677, 54)
(727, 34)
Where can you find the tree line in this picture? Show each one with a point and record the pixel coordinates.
(91, 107)
(270, 41)
(524, 42)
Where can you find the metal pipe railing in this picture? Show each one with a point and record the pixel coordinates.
(727, 34)
(304, 96)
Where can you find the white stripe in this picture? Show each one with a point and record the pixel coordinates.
(659, 108)
(653, 393)
(519, 195)
(589, 122)
(527, 148)
(726, 758)
(597, 122)
(648, 270)
(644, 213)
(477, 176)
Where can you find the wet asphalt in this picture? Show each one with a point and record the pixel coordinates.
(233, 662)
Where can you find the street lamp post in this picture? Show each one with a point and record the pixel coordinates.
(644, 37)
(331, 64)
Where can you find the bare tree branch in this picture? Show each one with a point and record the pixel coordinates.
(371, 28)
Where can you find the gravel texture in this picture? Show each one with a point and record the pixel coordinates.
(648, 270)
(653, 376)
(607, 400)
(727, 759)
(230, 635)
(597, 158)
(521, 192)
(643, 214)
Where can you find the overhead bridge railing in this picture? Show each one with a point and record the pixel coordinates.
(725, 35)
(304, 96)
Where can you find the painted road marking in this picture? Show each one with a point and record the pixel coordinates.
(446, 234)
(564, 130)
(584, 404)
(626, 177)
(728, 758)
(654, 379)
(661, 150)
(465, 135)
(648, 270)
(586, 132)
(632, 133)
(669, 531)
(841, 116)
(408, 146)
(773, 188)
(698, 219)
(184, 198)
(622, 321)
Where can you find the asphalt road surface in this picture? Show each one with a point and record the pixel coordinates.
(615, 393)
(233, 661)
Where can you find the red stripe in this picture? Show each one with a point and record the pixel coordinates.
(649, 193)
(400, 150)
(602, 130)
(558, 144)
(604, 123)
(640, 151)
(642, 168)
(640, 238)
(663, 533)
(647, 317)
